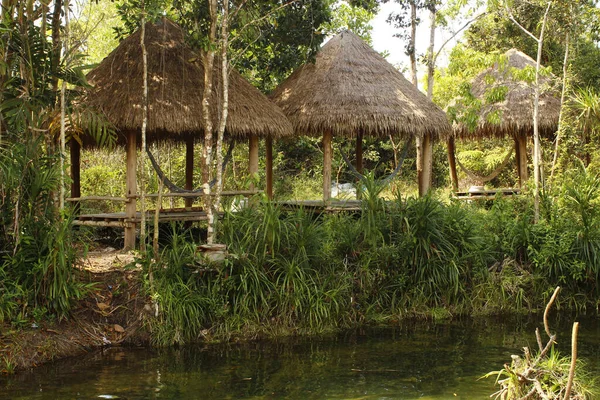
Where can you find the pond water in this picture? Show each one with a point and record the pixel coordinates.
(419, 360)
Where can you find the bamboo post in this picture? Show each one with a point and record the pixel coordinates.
(359, 159)
(327, 157)
(452, 163)
(130, 207)
(269, 166)
(189, 169)
(253, 158)
(75, 174)
(359, 153)
(424, 175)
(521, 152)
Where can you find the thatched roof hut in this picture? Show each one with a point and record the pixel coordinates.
(516, 110)
(351, 89)
(175, 85)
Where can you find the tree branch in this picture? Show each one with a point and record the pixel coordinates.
(254, 21)
(512, 18)
(435, 56)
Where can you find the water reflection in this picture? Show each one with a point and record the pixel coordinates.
(417, 360)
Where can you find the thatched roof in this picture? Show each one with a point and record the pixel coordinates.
(516, 110)
(350, 89)
(175, 85)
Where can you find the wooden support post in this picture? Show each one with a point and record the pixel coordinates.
(189, 168)
(359, 161)
(359, 153)
(253, 158)
(75, 174)
(521, 152)
(327, 157)
(269, 166)
(452, 164)
(130, 206)
(425, 173)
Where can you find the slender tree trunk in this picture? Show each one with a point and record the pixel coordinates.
(412, 47)
(430, 51)
(223, 121)
(144, 125)
(536, 106)
(562, 102)
(425, 178)
(209, 58)
(63, 89)
(536, 133)
(56, 43)
(415, 81)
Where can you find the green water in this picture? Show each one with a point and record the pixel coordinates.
(416, 361)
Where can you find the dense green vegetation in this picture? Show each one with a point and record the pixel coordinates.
(293, 272)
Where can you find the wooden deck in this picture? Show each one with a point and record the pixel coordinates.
(120, 219)
(321, 206)
(194, 214)
(486, 194)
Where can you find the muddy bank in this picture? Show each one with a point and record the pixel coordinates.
(112, 314)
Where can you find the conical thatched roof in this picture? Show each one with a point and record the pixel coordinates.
(516, 110)
(350, 89)
(175, 85)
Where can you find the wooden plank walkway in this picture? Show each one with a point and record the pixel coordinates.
(488, 194)
(120, 219)
(321, 206)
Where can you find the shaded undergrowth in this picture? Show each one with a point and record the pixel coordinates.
(294, 272)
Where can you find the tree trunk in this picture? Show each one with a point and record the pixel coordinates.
(224, 111)
(426, 171)
(209, 58)
(562, 102)
(63, 89)
(144, 125)
(56, 43)
(536, 134)
(411, 46)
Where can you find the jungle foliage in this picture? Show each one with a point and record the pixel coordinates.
(296, 272)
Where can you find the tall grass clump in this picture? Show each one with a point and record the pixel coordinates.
(567, 247)
(186, 301)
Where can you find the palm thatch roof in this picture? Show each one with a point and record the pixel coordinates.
(175, 86)
(512, 116)
(351, 89)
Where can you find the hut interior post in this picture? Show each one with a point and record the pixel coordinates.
(189, 169)
(253, 158)
(130, 206)
(425, 174)
(269, 166)
(452, 163)
(327, 156)
(359, 152)
(359, 158)
(75, 173)
(521, 152)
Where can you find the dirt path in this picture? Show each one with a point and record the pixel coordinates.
(111, 314)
